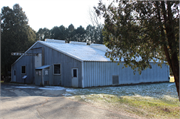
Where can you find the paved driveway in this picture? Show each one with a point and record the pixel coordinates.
(33, 103)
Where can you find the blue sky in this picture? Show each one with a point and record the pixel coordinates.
(50, 13)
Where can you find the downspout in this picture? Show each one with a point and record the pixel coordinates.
(82, 74)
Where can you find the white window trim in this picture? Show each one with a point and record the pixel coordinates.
(53, 69)
(21, 70)
(76, 72)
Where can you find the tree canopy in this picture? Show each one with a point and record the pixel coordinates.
(142, 29)
(17, 35)
(91, 34)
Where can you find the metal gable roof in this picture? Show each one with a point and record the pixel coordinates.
(79, 50)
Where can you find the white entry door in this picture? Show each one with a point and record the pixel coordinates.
(38, 60)
(74, 77)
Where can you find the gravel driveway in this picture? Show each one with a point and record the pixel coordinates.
(33, 103)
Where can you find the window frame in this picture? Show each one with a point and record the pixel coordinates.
(54, 70)
(22, 70)
(76, 72)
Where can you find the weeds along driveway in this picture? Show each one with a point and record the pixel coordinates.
(30, 102)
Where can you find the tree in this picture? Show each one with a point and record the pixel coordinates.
(71, 28)
(94, 34)
(96, 22)
(71, 32)
(145, 29)
(55, 32)
(98, 34)
(90, 33)
(94, 19)
(80, 34)
(63, 33)
(43, 33)
(17, 35)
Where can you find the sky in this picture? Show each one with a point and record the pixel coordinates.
(50, 13)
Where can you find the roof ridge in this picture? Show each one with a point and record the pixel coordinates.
(55, 40)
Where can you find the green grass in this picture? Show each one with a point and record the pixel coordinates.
(148, 107)
(151, 107)
(171, 79)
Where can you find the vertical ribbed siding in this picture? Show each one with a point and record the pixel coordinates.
(51, 57)
(101, 73)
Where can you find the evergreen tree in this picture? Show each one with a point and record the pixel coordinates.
(80, 34)
(71, 28)
(71, 32)
(17, 35)
(55, 32)
(43, 34)
(63, 33)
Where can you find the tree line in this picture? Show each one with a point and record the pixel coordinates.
(92, 34)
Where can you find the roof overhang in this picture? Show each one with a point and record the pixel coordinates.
(43, 67)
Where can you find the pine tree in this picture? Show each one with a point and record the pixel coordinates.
(17, 35)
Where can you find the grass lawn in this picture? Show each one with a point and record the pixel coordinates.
(157, 101)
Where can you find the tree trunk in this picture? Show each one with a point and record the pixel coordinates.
(171, 55)
(175, 70)
(171, 41)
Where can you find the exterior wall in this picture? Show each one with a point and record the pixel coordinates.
(50, 57)
(101, 73)
(25, 61)
(92, 73)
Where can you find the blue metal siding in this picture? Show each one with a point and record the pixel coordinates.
(155, 74)
(25, 61)
(67, 63)
(50, 57)
(101, 73)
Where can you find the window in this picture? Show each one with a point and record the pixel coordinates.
(57, 69)
(23, 69)
(74, 72)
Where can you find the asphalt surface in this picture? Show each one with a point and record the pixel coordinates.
(33, 103)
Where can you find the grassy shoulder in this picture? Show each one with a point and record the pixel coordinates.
(146, 107)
